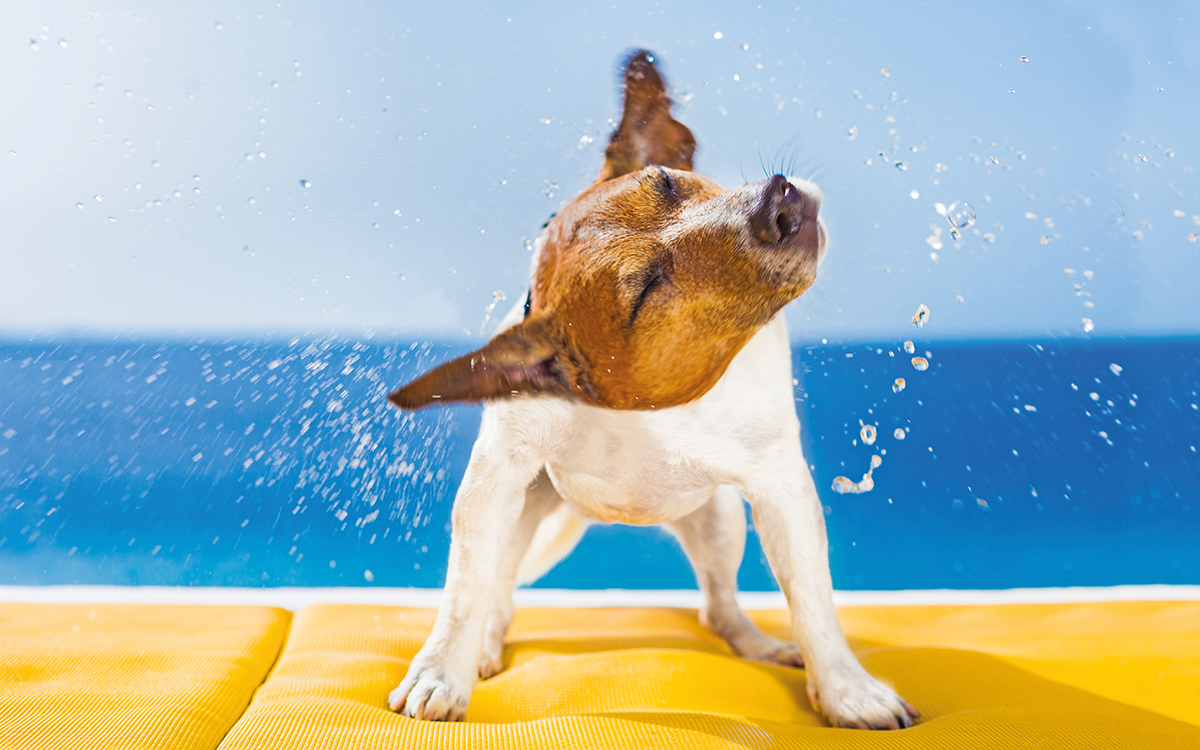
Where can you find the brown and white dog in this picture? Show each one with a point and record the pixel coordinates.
(646, 379)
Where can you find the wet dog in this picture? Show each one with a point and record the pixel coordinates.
(646, 379)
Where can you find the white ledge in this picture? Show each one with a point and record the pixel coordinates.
(295, 598)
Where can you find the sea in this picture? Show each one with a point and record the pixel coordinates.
(278, 462)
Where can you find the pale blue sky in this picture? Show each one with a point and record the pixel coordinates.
(196, 127)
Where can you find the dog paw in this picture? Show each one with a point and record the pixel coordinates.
(426, 693)
(856, 700)
(785, 654)
(490, 664)
(764, 648)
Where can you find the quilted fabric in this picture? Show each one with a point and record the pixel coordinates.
(100, 676)
(983, 677)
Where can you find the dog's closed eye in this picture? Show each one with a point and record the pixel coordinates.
(657, 276)
(668, 186)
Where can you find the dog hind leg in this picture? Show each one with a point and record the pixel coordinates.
(542, 505)
(714, 538)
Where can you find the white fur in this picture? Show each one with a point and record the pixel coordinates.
(544, 468)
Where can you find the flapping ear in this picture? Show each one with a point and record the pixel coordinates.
(647, 134)
(522, 359)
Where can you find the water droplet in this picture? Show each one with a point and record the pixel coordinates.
(33, 45)
(1160, 88)
(128, 94)
(133, 259)
(914, 195)
(852, 133)
(898, 385)
(1087, 324)
(112, 218)
(367, 574)
(867, 433)
(921, 316)
(920, 364)
(718, 35)
(218, 25)
(954, 235)
(397, 212)
(901, 166)
(62, 42)
(1116, 369)
(899, 433)
(909, 348)
(885, 73)
(876, 461)
(1012, 91)
(155, 164)
(99, 86)
(274, 84)
(305, 184)
(250, 201)
(960, 214)
(498, 296)
(177, 194)
(196, 190)
(98, 197)
(844, 486)
(1024, 59)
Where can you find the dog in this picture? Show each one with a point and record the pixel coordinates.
(646, 379)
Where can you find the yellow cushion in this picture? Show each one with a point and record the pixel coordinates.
(123, 676)
(656, 678)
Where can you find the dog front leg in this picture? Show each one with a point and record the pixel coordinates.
(787, 513)
(442, 675)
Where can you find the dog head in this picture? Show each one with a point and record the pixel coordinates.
(649, 282)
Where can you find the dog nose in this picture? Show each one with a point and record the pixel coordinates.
(781, 211)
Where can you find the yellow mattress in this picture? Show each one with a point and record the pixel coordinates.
(1113, 675)
(130, 676)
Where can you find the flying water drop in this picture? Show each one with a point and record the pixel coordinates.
(909, 348)
(898, 385)
(921, 316)
(920, 364)
(867, 433)
(899, 433)
(960, 215)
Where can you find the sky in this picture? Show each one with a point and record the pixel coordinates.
(379, 168)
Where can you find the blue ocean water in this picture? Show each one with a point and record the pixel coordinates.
(267, 463)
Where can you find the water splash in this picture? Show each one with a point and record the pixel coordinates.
(498, 296)
(845, 486)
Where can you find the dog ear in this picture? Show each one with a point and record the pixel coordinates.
(647, 134)
(522, 359)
